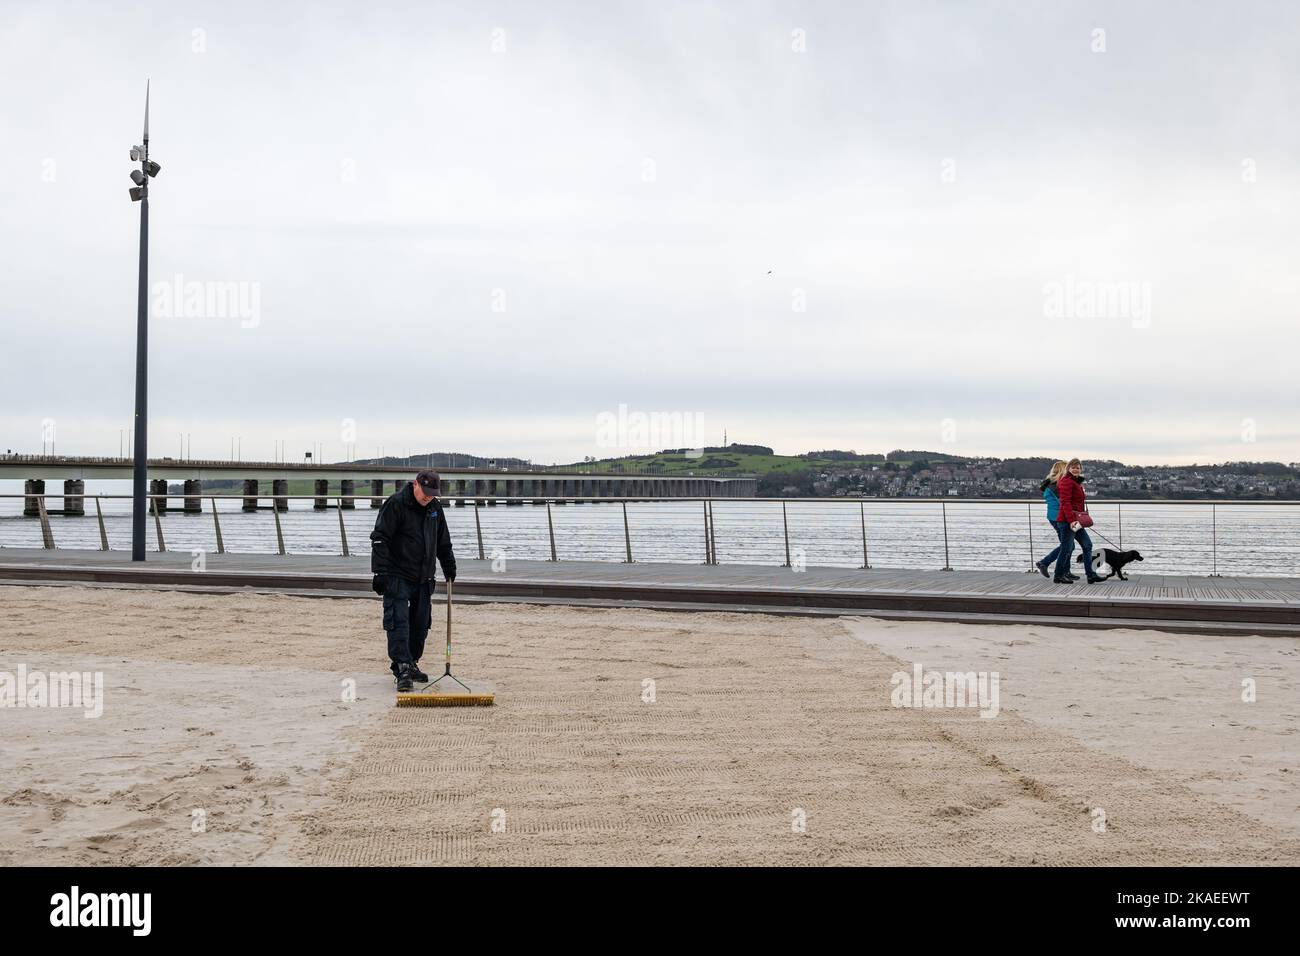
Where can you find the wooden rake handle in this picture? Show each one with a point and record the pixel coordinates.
(449, 625)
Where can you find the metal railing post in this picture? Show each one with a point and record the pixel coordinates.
(708, 552)
(713, 534)
(1120, 509)
(478, 532)
(216, 524)
(627, 534)
(279, 533)
(1029, 520)
(47, 534)
(550, 527)
(947, 564)
(157, 523)
(343, 533)
(785, 521)
(1214, 540)
(862, 513)
(103, 534)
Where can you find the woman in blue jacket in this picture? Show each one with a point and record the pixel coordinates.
(1048, 488)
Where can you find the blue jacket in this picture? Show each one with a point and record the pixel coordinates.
(1053, 502)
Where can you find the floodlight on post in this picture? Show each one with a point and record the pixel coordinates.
(140, 465)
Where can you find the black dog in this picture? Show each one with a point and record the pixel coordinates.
(1116, 560)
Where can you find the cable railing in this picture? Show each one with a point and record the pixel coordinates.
(1181, 537)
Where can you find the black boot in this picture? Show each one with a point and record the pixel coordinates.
(417, 675)
(404, 679)
(1042, 569)
(1062, 580)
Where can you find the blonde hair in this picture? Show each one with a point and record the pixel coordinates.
(1057, 471)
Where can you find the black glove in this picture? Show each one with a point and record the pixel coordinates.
(379, 583)
(449, 575)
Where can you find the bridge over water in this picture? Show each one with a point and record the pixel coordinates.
(482, 485)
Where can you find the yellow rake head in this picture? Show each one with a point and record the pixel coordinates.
(432, 696)
(439, 699)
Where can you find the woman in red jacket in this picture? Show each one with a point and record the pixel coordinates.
(1073, 503)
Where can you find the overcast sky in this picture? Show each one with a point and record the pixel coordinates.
(477, 226)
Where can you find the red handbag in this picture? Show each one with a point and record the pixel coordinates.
(1084, 519)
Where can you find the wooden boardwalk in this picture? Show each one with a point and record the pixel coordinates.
(1175, 602)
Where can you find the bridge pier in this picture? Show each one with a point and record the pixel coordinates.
(159, 487)
(322, 489)
(515, 489)
(348, 486)
(280, 488)
(376, 492)
(73, 502)
(193, 496)
(537, 488)
(250, 494)
(33, 487)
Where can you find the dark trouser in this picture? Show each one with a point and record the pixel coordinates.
(1065, 549)
(1068, 538)
(1055, 552)
(1085, 542)
(408, 612)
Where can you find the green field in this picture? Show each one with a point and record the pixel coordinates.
(721, 463)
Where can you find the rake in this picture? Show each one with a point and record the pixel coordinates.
(431, 696)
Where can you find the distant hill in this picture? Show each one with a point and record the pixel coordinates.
(899, 455)
(733, 447)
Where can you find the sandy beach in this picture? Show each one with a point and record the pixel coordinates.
(260, 729)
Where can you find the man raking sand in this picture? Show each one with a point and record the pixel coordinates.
(410, 534)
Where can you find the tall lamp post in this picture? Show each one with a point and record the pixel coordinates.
(140, 193)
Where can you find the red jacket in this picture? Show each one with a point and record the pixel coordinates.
(1070, 491)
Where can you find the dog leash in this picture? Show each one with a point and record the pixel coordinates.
(1099, 534)
(1104, 538)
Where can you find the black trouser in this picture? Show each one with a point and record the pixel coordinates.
(408, 612)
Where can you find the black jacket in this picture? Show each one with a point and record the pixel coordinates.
(408, 536)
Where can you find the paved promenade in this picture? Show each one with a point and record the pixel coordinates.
(1172, 602)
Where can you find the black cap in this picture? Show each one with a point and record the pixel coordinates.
(430, 482)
